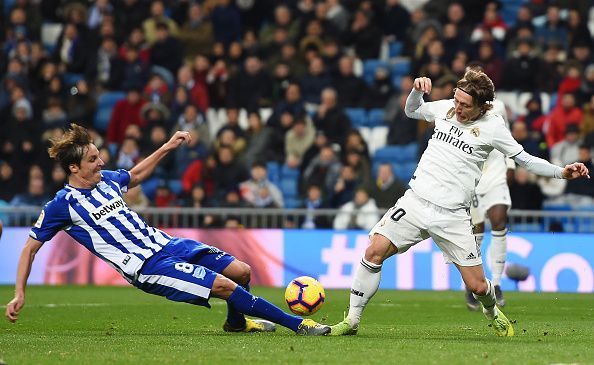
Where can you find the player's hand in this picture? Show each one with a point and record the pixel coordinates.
(14, 307)
(177, 139)
(422, 84)
(575, 170)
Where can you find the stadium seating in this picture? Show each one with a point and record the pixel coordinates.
(105, 104)
(400, 154)
(369, 68)
(395, 49)
(375, 117)
(358, 116)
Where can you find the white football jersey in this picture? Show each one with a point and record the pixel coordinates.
(495, 168)
(451, 166)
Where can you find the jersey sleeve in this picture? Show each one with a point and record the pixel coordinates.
(417, 108)
(121, 177)
(505, 143)
(53, 218)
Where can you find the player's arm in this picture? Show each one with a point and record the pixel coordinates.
(415, 107)
(145, 168)
(506, 144)
(24, 269)
(544, 168)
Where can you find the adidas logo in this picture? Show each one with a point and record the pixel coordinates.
(471, 257)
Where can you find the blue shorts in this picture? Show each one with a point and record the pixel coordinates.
(183, 271)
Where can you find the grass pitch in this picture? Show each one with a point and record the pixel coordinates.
(115, 325)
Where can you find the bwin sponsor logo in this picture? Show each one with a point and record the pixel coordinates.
(107, 208)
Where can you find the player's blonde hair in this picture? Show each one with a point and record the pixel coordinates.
(478, 85)
(70, 148)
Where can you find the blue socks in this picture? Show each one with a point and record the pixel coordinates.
(234, 318)
(249, 304)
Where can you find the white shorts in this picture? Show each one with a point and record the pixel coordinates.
(481, 203)
(414, 219)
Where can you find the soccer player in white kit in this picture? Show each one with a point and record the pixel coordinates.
(492, 198)
(437, 203)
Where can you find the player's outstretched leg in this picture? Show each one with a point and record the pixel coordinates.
(484, 292)
(240, 272)
(252, 305)
(365, 284)
(499, 321)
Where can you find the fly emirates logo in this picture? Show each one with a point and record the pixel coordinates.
(107, 210)
(453, 137)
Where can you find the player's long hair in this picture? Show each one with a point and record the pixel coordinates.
(70, 148)
(478, 85)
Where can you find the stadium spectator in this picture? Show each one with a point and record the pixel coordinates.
(35, 195)
(195, 85)
(554, 30)
(135, 198)
(158, 16)
(380, 91)
(315, 80)
(9, 183)
(298, 140)
(395, 20)
(259, 191)
(581, 192)
(185, 155)
(258, 138)
(364, 36)
(312, 202)
(227, 174)
(525, 194)
(196, 35)
(331, 119)
(128, 154)
(352, 89)
(360, 213)
(344, 188)
(323, 170)
(562, 115)
(72, 50)
(387, 188)
(166, 50)
(251, 87)
(125, 112)
(226, 22)
(567, 150)
(518, 71)
(526, 138)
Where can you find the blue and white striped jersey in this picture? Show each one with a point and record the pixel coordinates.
(100, 220)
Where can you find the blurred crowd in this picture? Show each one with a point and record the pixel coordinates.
(178, 64)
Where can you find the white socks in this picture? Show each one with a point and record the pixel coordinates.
(498, 249)
(365, 284)
(488, 301)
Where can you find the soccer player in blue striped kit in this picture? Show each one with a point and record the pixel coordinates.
(90, 208)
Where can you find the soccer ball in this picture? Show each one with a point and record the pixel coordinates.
(305, 295)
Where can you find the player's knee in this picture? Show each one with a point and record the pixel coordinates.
(478, 287)
(222, 287)
(245, 274)
(498, 225)
(380, 249)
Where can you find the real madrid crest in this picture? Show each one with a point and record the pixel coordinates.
(451, 113)
(475, 131)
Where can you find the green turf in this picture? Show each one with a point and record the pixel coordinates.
(85, 325)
